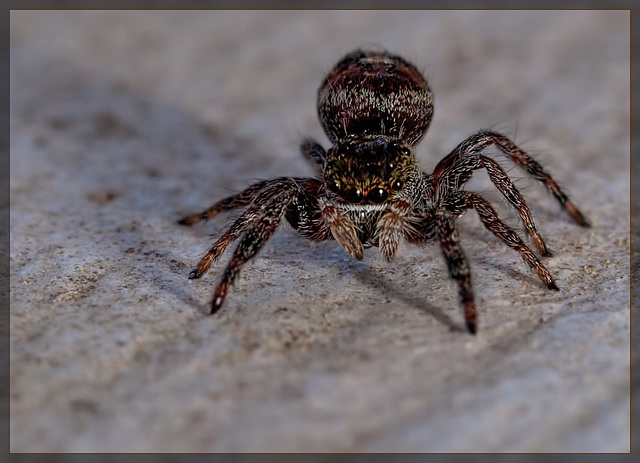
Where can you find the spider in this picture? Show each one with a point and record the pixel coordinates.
(369, 190)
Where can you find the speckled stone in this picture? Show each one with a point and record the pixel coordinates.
(123, 121)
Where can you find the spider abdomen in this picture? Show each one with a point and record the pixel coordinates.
(375, 92)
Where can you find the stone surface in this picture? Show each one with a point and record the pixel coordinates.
(121, 122)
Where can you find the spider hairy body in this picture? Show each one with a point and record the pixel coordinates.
(370, 191)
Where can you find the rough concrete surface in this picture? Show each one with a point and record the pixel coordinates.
(121, 122)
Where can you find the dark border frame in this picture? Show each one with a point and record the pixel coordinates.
(327, 4)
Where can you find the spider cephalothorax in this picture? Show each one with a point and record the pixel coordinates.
(375, 107)
(369, 169)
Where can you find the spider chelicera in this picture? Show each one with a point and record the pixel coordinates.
(369, 189)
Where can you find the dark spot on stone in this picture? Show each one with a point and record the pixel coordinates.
(40, 141)
(107, 125)
(153, 172)
(59, 123)
(102, 197)
(85, 406)
(211, 131)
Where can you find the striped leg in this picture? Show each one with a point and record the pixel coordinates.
(242, 199)
(458, 269)
(456, 169)
(238, 227)
(254, 238)
(493, 223)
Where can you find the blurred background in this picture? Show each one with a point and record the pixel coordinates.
(122, 121)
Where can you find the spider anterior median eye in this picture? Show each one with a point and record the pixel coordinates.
(377, 195)
(396, 185)
(353, 195)
(405, 151)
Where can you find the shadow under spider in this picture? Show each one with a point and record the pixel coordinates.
(173, 285)
(372, 278)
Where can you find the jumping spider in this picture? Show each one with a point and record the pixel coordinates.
(369, 190)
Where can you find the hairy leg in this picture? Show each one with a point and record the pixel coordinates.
(313, 151)
(271, 191)
(304, 214)
(458, 269)
(492, 222)
(254, 238)
(343, 231)
(238, 227)
(455, 169)
(461, 172)
(393, 226)
(242, 199)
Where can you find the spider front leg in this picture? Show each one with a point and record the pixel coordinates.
(258, 193)
(251, 242)
(238, 227)
(458, 268)
(455, 170)
(241, 199)
(456, 203)
(254, 228)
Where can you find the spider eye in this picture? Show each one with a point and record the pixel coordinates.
(353, 195)
(405, 151)
(396, 185)
(377, 195)
(334, 186)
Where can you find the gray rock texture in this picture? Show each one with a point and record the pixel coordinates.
(123, 121)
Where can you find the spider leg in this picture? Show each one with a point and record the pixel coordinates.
(458, 269)
(504, 184)
(239, 226)
(394, 225)
(304, 214)
(343, 231)
(493, 223)
(455, 170)
(242, 199)
(269, 214)
(313, 151)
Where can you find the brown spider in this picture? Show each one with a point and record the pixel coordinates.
(369, 191)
